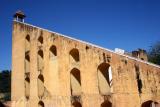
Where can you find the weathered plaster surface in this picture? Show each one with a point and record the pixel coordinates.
(52, 82)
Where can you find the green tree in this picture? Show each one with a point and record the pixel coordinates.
(154, 53)
(5, 84)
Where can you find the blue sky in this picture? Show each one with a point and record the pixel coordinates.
(125, 24)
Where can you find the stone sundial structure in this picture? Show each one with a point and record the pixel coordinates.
(50, 69)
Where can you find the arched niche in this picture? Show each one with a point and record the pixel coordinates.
(41, 104)
(74, 55)
(53, 71)
(27, 43)
(40, 86)
(40, 40)
(75, 82)
(27, 87)
(106, 104)
(52, 52)
(28, 38)
(150, 103)
(76, 104)
(104, 78)
(40, 60)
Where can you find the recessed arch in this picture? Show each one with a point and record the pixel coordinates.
(27, 87)
(76, 104)
(40, 86)
(104, 78)
(27, 57)
(150, 103)
(40, 53)
(106, 104)
(75, 81)
(27, 42)
(53, 71)
(74, 55)
(52, 51)
(40, 77)
(40, 40)
(40, 60)
(41, 104)
(28, 38)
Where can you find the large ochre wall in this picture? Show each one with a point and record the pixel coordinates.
(55, 85)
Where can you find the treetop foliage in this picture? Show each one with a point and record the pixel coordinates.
(5, 85)
(154, 53)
